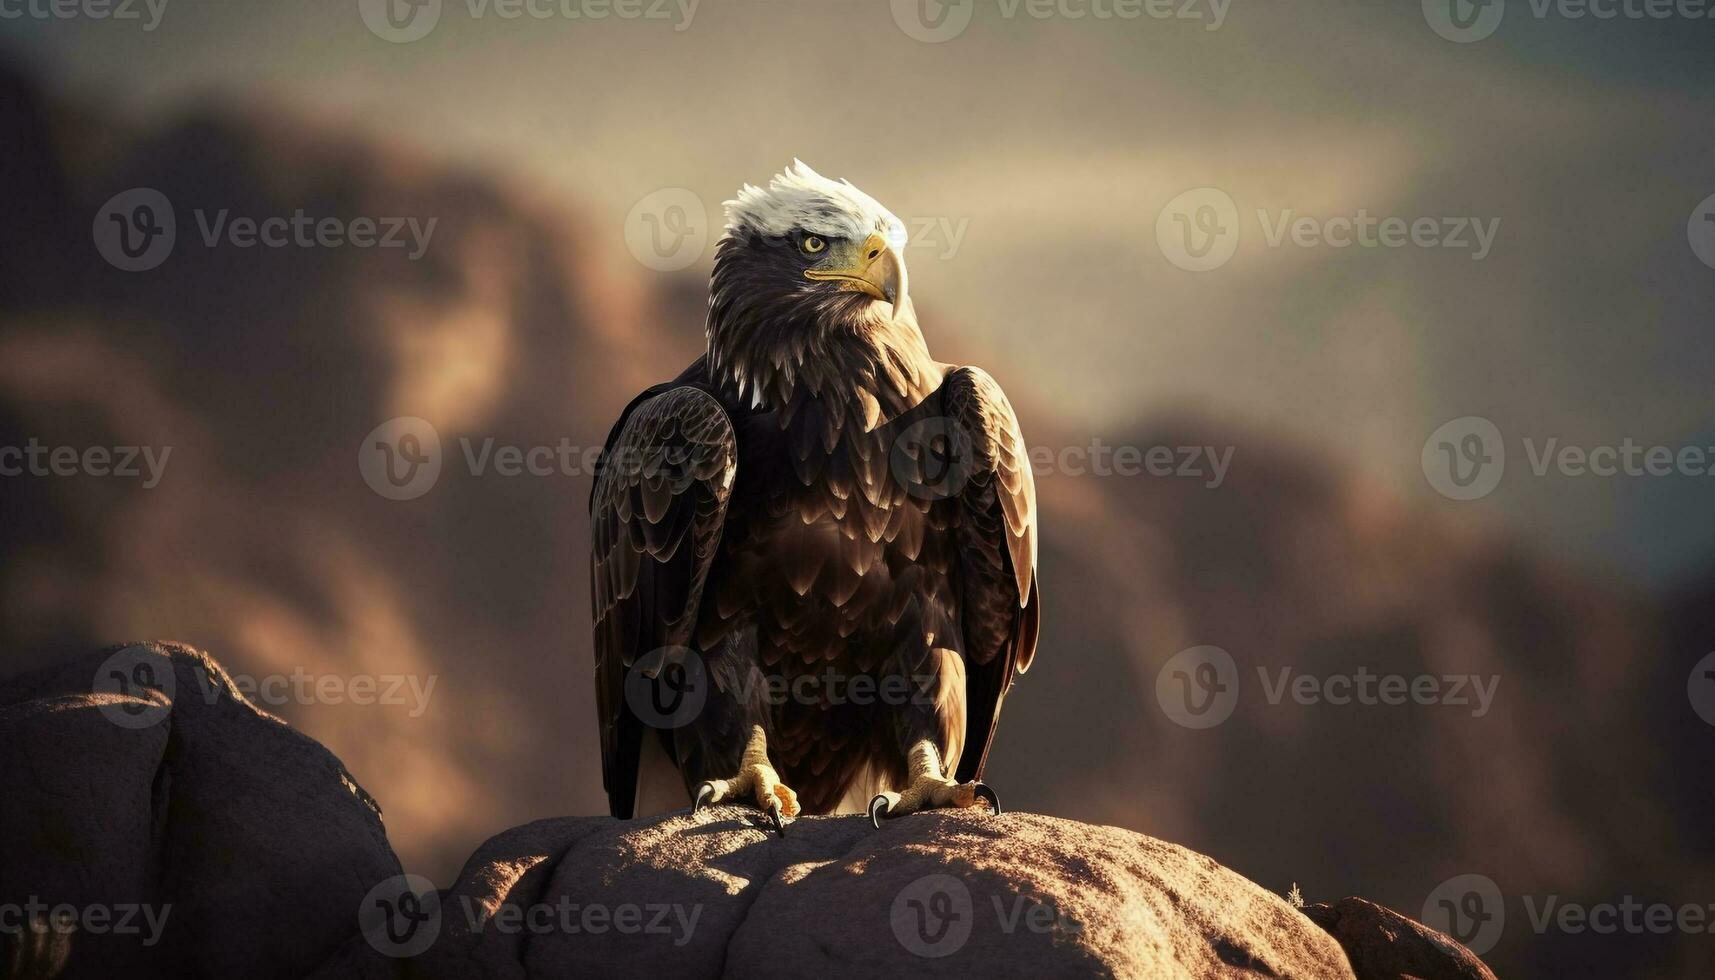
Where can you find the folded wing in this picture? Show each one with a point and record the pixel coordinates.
(656, 515)
(997, 553)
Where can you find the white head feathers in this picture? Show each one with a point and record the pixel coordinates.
(801, 198)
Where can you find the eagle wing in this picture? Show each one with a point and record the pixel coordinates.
(996, 538)
(656, 513)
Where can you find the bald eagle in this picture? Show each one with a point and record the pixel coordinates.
(819, 536)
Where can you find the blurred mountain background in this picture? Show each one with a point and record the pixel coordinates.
(1323, 550)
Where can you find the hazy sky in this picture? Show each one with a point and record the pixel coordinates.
(1034, 157)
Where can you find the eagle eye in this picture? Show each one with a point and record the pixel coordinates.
(812, 245)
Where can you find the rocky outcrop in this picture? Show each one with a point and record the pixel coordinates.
(941, 894)
(154, 822)
(140, 784)
(1380, 942)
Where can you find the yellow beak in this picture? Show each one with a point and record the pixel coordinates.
(873, 267)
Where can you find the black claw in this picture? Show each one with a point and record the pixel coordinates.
(775, 821)
(984, 793)
(705, 793)
(878, 809)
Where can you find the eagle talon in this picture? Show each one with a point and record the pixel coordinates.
(983, 792)
(878, 811)
(756, 783)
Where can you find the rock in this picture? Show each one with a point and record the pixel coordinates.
(936, 894)
(1384, 945)
(139, 784)
(138, 779)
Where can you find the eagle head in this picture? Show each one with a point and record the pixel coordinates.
(809, 276)
(817, 237)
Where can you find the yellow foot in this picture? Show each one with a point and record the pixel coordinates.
(757, 781)
(930, 789)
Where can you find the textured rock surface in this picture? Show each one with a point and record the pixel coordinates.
(938, 894)
(138, 777)
(249, 841)
(1384, 945)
